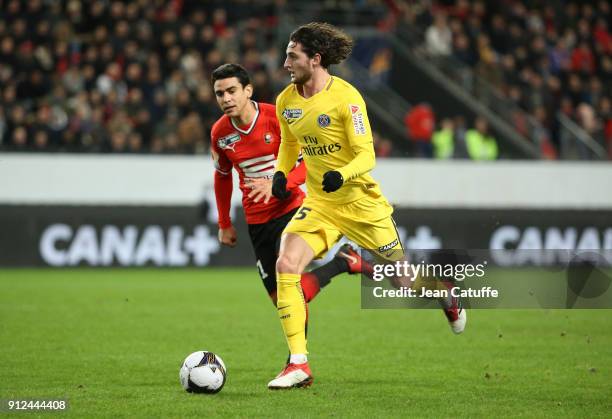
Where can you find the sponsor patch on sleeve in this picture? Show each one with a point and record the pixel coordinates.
(229, 141)
(357, 117)
(291, 115)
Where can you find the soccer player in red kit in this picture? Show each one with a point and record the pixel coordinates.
(247, 138)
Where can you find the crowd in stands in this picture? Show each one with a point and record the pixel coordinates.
(114, 76)
(548, 57)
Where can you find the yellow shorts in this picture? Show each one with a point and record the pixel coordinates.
(367, 222)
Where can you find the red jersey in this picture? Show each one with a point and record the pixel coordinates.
(420, 122)
(252, 151)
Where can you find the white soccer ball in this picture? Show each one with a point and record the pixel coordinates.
(203, 372)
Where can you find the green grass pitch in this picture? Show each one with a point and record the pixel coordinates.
(111, 342)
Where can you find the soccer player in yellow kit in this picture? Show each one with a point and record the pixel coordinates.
(325, 117)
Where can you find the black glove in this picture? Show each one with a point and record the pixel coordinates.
(279, 186)
(332, 181)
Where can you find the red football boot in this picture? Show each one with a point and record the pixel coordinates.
(293, 376)
(354, 260)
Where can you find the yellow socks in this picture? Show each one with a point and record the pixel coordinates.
(292, 311)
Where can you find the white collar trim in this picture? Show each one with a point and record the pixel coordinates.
(248, 131)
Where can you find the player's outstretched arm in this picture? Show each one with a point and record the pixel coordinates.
(224, 185)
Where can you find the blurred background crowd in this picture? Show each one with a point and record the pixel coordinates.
(548, 57)
(112, 76)
(133, 77)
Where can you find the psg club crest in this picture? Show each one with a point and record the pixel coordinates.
(268, 138)
(324, 120)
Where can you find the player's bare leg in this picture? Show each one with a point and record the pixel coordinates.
(295, 254)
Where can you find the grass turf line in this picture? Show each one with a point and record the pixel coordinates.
(111, 341)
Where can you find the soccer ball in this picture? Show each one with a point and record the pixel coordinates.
(203, 372)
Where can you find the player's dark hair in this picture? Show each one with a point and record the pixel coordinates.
(226, 71)
(330, 42)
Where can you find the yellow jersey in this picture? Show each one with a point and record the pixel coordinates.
(333, 132)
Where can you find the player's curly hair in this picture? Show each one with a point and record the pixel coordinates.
(333, 44)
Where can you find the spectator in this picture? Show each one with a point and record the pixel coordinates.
(118, 141)
(602, 36)
(381, 66)
(488, 68)
(576, 91)
(605, 111)
(19, 140)
(420, 122)
(459, 134)
(500, 39)
(120, 122)
(480, 144)
(559, 58)
(41, 140)
(463, 51)
(586, 115)
(382, 146)
(134, 142)
(168, 125)
(583, 59)
(190, 132)
(443, 140)
(111, 81)
(438, 37)
(2, 125)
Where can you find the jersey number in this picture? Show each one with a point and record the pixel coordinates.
(302, 213)
(262, 273)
